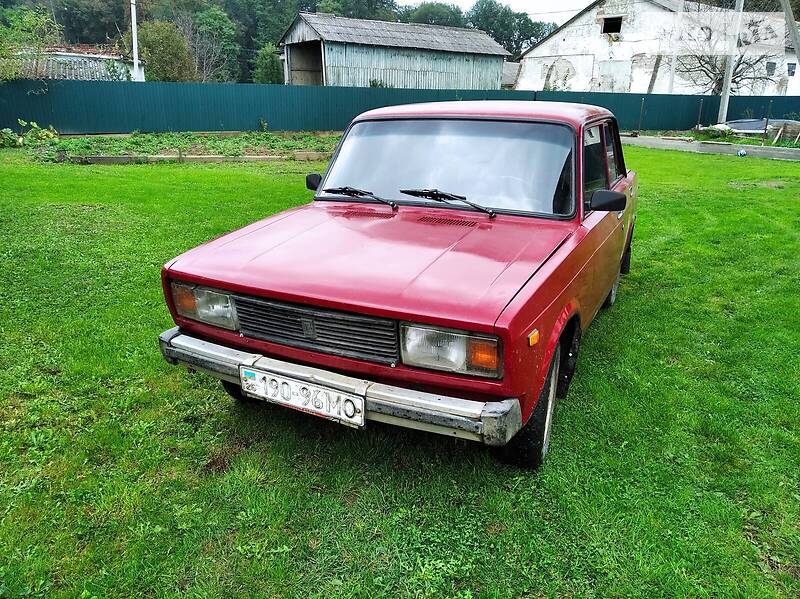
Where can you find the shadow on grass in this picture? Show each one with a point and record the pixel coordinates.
(296, 436)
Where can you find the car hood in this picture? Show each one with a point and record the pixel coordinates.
(451, 266)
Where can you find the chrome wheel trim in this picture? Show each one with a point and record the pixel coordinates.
(551, 402)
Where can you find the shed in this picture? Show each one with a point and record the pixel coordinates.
(322, 49)
(80, 62)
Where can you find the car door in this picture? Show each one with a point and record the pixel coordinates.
(601, 170)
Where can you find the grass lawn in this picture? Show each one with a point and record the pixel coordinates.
(675, 462)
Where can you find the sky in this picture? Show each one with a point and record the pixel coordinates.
(556, 11)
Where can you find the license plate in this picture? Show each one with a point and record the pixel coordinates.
(346, 408)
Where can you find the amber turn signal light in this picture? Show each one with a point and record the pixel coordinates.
(533, 338)
(483, 354)
(184, 299)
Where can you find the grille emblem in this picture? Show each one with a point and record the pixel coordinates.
(309, 330)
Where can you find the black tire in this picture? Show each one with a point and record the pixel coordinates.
(625, 267)
(611, 298)
(529, 447)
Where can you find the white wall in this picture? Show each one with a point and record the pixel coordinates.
(580, 57)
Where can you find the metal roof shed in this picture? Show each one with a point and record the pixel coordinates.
(322, 49)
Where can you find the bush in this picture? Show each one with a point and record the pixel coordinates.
(10, 139)
(268, 67)
(33, 136)
(164, 51)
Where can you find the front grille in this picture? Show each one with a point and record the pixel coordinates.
(319, 329)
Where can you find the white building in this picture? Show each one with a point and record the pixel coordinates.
(629, 46)
(79, 62)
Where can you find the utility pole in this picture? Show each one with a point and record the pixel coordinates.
(729, 60)
(135, 43)
(794, 33)
(676, 31)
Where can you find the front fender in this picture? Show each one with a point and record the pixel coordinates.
(570, 310)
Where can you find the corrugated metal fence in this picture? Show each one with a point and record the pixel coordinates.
(122, 107)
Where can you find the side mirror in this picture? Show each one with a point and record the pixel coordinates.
(608, 201)
(313, 180)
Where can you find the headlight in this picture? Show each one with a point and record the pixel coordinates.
(205, 305)
(453, 351)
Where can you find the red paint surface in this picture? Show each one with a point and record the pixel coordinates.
(505, 276)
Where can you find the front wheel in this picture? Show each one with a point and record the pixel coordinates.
(530, 445)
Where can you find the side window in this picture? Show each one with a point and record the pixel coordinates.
(611, 153)
(562, 197)
(594, 164)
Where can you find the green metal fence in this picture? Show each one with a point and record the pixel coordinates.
(660, 112)
(122, 107)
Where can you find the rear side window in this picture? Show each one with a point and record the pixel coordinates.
(594, 164)
(611, 153)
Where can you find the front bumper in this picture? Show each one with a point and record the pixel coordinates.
(492, 422)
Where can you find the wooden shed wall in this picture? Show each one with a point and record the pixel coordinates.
(355, 65)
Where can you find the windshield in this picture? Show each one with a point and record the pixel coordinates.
(499, 164)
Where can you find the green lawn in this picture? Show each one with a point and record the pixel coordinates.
(674, 468)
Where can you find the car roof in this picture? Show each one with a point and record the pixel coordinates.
(565, 112)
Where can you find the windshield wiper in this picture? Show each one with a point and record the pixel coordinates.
(359, 193)
(442, 196)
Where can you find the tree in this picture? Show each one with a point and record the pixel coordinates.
(513, 30)
(91, 21)
(215, 49)
(165, 52)
(436, 13)
(260, 23)
(380, 10)
(331, 7)
(25, 34)
(210, 62)
(703, 47)
(268, 66)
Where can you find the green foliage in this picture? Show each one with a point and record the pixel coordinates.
(381, 10)
(219, 35)
(259, 23)
(709, 134)
(513, 30)
(10, 138)
(436, 13)
(332, 7)
(25, 34)
(224, 38)
(93, 21)
(150, 144)
(116, 72)
(29, 134)
(378, 83)
(673, 470)
(165, 52)
(268, 66)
